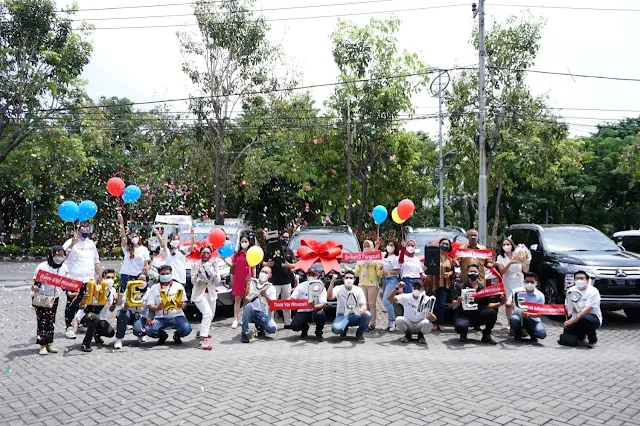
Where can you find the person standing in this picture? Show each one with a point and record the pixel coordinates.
(370, 273)
(176, 257)
(464, 262)
(241, 270)
(523, 320)
(281, 263)
(257, 311)
(412, 268)
(440, 285)
(83, 262)
(46, 297)
(203, 294)
(167, 316)
(315, 314)
(351, 308)
(133, 263)
(585, 313)
(412, 321)
(512, 273)
(390, 278)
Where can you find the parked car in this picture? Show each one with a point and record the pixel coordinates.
(628, 240)
(560, 250)
(341, 234)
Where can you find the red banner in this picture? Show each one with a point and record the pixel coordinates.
(492, 290)
(477, 254)
(361, 257)
(542, 309)
(288, 304)
(56, 280)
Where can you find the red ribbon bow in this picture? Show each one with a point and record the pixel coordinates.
(312, 250)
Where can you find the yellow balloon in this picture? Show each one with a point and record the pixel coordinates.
(254, 256)
(395, 217)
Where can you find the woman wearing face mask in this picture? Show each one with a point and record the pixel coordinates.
(511, 271)
(133, 263)
(45, 298)
(139, 247)
(241, 270)
(204, 295)
(175, 257)
(370, 273)
(390, 279)
(412, 268)
(440, 285)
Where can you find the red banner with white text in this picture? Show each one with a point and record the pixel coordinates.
(542, 309)
(361, 257)
(477, 253)
(288, 304)
(492, 290)
(56, 280)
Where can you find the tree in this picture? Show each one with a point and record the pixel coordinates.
(41, 58)
(231, 60)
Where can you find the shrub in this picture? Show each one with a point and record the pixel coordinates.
(10, 250)
(38, 251)
(117, 252)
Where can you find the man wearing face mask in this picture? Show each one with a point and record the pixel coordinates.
(524, 320)
(134, 316)
(175, 256)
(257, 310)
(464, 262)
(585, 316)
(485, 314)
(351, 308)
(83, 262)
(282, 263)
(412, 322)
(162, 317)
(314, 315)
(94, 316)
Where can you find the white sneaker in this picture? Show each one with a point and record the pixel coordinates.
(142, 339)
(69, 333)
(117, 344)
(234, 324)
(392, 326)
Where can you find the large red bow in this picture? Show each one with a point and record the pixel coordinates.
(312, 250)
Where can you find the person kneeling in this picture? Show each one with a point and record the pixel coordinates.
(583, 304)
(316, 314)
(351, 307)
(170, 316)
(94, 315)
(416, 319)
(132, 315)
(525, 320)
(257, 308)
(483, 311)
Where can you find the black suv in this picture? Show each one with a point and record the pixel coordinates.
(340, 234)
(560, 250)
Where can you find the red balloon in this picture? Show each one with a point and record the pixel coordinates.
(217, 237)
(115, 186)
(406, 209)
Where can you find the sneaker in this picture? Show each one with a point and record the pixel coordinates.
(592, 345)
(463, 338)
(51, 349)
(287, 326)
(406, 338)
(202, 344)
(487, 339)
(43, 351)
(392, 326)
(117, 344)
(359, 337)
(518, 338)
(142, 339)
(162, 338)
(534, 339)
(197, 334)
(344, 334)
(85, 348)
(245, 338)
(234, 324)
(421, 339)
(177, 339)
(98, 339)
(305, 332)
(320, 339)
(69, 333)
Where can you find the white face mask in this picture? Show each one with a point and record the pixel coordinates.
(263, 277)
(108, 281)
(58, 259)
(507, 248)
(348, 282)
(581, 284)
(530, 287)
(244, 245)
(135, 241)
(411, 249)
(416, 293)
(175, 244)
(391, 249)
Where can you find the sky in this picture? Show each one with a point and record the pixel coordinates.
(144, 64)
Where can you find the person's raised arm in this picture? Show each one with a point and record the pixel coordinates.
(163, 246)
(193, 240)
(330, 295)
(123, 234)
(392, 295)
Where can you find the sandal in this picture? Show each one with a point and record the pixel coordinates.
(202, 344)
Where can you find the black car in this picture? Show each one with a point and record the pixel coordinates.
(558, 251)
(341, 234)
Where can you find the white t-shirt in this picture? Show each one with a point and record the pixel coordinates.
(82, 259)
(410, 305)
(301, 292)
(144, 252)
(46, 289)
(390, 263)
(341, 293)
(104, 312)
(258, 303)
(412, 267)
(133, 267)
(153, 298)
(178, 263)
(590, 296)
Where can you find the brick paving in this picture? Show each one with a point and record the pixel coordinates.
(287, 381)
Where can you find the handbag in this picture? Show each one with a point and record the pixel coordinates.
(42, 301)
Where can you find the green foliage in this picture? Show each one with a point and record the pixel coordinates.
(38, 251)
(10, 250)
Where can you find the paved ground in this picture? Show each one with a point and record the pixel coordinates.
(284, 380)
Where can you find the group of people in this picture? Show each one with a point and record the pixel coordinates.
(400, 276)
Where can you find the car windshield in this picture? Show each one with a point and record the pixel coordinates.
(349, 241)
(423, 238)
(631, 244)
(575, 239)
(185, 237)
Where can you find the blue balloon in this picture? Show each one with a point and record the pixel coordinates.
(226, 250)
(68, 211)
(87, 210)
(131, 194)
(380, 214)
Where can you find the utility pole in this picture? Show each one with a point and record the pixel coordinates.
(349, 161)
(482, 178)
(440, 94)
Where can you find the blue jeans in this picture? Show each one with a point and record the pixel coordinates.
(124, 279)
(533, 327)
(408, 284)
(260, 319)
(181, 324)
(341, 323)
(441, 304)
(125, 318)
(389, 284)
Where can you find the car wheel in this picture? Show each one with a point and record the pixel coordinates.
(550, 291)
(632, 313)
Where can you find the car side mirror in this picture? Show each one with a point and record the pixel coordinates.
(534, 247)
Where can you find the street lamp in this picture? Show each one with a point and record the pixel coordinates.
(439, 92)
(441, 169)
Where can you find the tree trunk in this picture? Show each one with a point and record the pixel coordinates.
(349, 166)
(496, 217)
(472, 214)
(218, 189)
(363, 202)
